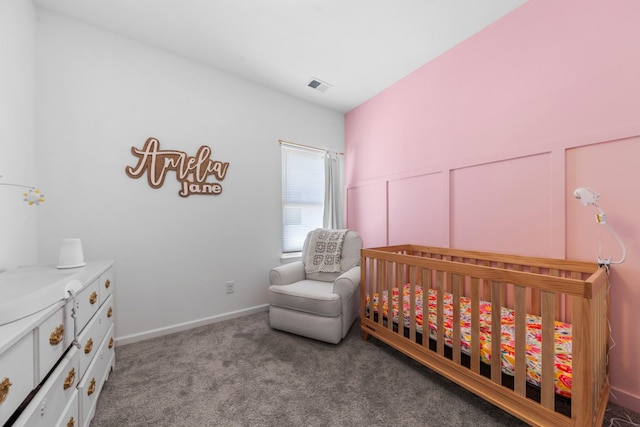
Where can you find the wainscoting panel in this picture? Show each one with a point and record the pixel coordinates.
(367, 213)
(503, 206)
(417, 210)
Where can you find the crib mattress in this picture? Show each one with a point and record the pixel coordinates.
(562, 371)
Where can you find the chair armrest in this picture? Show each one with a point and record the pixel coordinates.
(286, 274)
(347, 283)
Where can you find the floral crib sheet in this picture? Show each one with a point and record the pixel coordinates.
(562, 371)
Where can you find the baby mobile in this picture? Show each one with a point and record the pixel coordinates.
(33, 196)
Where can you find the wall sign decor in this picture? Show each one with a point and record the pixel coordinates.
(191, 171)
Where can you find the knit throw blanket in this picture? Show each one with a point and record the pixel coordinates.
(324, 251)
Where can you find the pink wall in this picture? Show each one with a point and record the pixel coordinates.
(482, 148)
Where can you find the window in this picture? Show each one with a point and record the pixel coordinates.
(302, 194)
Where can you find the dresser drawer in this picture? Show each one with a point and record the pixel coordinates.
(106, 285)
(51, 342)
(16, 375)
(94, 334)
(94, 379)
(69, 417)
(45, 408)
(87, 303)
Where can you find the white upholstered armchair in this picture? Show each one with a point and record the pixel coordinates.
(318, 297)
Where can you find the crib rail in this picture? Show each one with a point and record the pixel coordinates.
(572, 291)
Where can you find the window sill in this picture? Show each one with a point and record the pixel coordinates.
(290, 257)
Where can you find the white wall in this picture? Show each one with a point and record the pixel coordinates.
(17, 143)
(99, 95)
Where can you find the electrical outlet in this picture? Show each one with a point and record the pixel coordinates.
(231, 287)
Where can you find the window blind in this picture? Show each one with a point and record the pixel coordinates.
(302, 194)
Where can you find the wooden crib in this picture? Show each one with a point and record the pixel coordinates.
(551, 289)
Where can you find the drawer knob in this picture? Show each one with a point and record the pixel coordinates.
(71, 422)
(88, 346)
(92, 387)
(110, 312)
(93, 297)
(57, 335)
(4, 389)
(71, 377)
(107, 283)
(111, 342)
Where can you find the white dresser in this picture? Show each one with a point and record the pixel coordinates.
(45, 379)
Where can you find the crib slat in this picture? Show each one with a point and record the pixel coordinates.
(413, 274)
(475, 324)
(548, 350)
(556, 272)
(440, 312)
(424, 278)
(496, 332)
(399, 283)
(381, 286)
(535, 296)
(501, 301)
(412, 302)
(486, 289)
(403, 274)
(388, 279)
(568, 301)
(426, 285)
(374, 287)
(520, 380)
(455, 291)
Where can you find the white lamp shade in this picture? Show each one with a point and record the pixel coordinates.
(70, 255)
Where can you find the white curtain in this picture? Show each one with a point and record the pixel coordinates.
(333, 197)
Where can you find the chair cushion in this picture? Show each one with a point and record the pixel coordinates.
(311, 296)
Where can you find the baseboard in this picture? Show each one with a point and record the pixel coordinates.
(625, 399)
(141, 336)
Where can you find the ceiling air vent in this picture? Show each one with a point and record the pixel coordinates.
(318, 85)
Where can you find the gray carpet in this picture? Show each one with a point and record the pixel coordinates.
(240, 372)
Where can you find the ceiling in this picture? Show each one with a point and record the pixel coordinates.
(358, 47)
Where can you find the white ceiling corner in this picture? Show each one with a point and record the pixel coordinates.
(359, 47)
